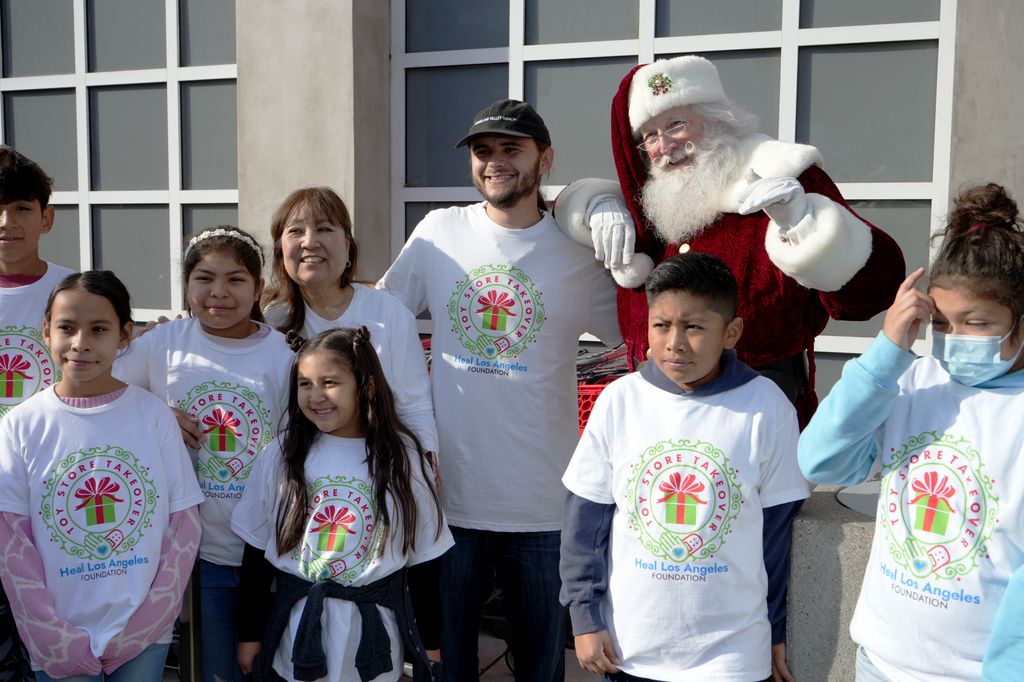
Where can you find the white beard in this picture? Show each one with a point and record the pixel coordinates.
(681, 202)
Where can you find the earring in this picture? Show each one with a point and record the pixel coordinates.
(348, 264)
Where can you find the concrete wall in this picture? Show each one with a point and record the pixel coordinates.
(988, 102)
(313, 109)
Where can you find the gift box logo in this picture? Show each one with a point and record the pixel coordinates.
(497, 308)
(932, 507)
(12, 375)
(97, 495)
(223, 425)
(681, 498)
(335, 523)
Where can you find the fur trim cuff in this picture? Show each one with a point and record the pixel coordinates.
(571, 204)
(636, 273)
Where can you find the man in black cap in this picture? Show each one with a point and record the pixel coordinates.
(509, 295)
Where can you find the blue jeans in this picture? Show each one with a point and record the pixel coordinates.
(146, 667)
(866, 670)
(218, 597)
(525, 566)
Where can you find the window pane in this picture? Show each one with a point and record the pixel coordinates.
(751, 79)
(60, 246)
(207, 32)
(41, 125)
(132, 241)
(908, 222)
(455, 24)
(439, 108)
(572, 21)
(128, 131)
(575, 100)
(195, 219)
(126, 34)
(700, 17)
(38, 37)
(869, 109)
(209, 135)
(815, 13)
(828, 367)
(415, 211)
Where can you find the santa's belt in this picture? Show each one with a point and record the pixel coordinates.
(790, 374)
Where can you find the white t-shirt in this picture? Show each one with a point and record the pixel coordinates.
(341, 532)
(25, 363)
(395, 339)
(508, 308)
(950, 529)
(238, 388)
(99, 485)
(689, 478)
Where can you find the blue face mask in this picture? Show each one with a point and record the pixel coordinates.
(972, 360)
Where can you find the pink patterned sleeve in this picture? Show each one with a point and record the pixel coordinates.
(163, 603)
(55, 645)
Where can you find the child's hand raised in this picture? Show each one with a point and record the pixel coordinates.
(908, 312)
(596, 653)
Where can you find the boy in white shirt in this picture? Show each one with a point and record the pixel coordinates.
(679, 467)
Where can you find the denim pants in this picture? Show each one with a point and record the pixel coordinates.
(525, 566)
(146, 667)
(218, 597)
(866, 670)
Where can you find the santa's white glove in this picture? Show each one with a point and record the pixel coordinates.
(783, 199)
(612, 229)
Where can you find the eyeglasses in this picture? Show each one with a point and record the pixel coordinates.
(673, 132)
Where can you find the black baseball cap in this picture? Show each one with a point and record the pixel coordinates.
(508, 117)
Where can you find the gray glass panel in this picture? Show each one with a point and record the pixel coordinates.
(573, 21)
(828, 369)
(751, 79)
(575, 98)
(38, 37)
(701, 17)
(126, 34)
(439, 108)
(128, 137)
(132, 241)
(196, 218)
(908, 222)
(815, 13)
(415, 211)
(41, 125)
(209, 135)
(455, 24)
(61, 246)
(207, 32)
(869, 109)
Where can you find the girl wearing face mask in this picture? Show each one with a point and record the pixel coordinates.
(947, 431)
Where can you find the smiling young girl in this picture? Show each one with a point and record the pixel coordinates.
(98, 503)
(227, 374)
(340, 504)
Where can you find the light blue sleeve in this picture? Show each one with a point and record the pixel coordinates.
(838, 445)
(1004, 660)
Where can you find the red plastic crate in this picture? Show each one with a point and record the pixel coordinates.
(588, 396)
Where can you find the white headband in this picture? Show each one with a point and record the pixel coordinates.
(221, 232)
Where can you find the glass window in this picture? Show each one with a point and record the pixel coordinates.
(41, 125)
(828, 367)
(870, 109)
(132, 241)
(751, 79)
(126, 34)
(128, 137)
(908, 222)
(573, 21)
(455, 24)
(701, 17)
(439, 108)
(61, 245)
(207, 32)
(575, 98)
(198, 217)
(27, 26)
(816, 13)
(209, 139)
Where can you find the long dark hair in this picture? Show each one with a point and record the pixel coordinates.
(388, 441)
(99, 283)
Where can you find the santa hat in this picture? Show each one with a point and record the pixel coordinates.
(668, 83)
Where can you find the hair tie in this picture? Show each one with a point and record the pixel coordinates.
(221, 232)
(976, 227)
(362, 335)
(294, 341)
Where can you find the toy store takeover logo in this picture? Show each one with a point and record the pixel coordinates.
(496, 311)
(26, 366)
(98, 502)
(341, 530)
(682, 498)
(235, 428)
(937, 507)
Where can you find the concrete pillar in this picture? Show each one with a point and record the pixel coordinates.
(313, 109)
